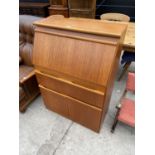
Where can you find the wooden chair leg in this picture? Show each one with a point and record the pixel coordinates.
(23, 105)
(125, 67)
(114, 126)
(31, 90)
(22, 109)
(115, 121)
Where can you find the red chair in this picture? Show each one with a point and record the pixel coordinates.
(126, 108)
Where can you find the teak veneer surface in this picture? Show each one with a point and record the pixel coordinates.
(76, 91)
(91, 26)
(76, 110)
(75, 53)
(75, 63)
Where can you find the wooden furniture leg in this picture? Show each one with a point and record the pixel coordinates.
(125, 67)
(31, 90)
(114, 125)
(26, 101)
(115, 121)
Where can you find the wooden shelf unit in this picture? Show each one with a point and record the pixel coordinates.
(59, 7)
(36, 9)
(82, 8)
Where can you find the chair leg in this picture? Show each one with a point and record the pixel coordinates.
(22, 109)
(115, 121)
(125, 67)
(114, 125)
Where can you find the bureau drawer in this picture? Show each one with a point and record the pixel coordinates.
(90, 96)
(78, 111)
(53, 102)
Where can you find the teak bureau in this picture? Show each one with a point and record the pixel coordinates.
(76, 61)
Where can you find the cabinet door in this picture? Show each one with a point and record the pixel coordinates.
(78, 111)
(53, 102)
(84, 114)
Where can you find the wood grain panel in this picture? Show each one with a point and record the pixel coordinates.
(53, 102)
(79, 36)
(81, 59)
(80, 112)
(90, 26)
(68, 88)
(77, 81)
(88, 116)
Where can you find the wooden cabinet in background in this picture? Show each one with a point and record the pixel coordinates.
(82, 8)
(36, 9)
(75, 63)
(59, 7)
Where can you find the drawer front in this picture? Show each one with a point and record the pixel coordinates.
(76, 91)
(84, 114)
(77, 111)
(53, 102)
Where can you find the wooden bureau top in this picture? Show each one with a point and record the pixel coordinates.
(91, 26)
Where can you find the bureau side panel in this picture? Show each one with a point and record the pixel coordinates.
(54, 102)
(112, 76)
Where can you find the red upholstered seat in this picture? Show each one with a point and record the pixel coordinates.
(127, 112)
(130, 84)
